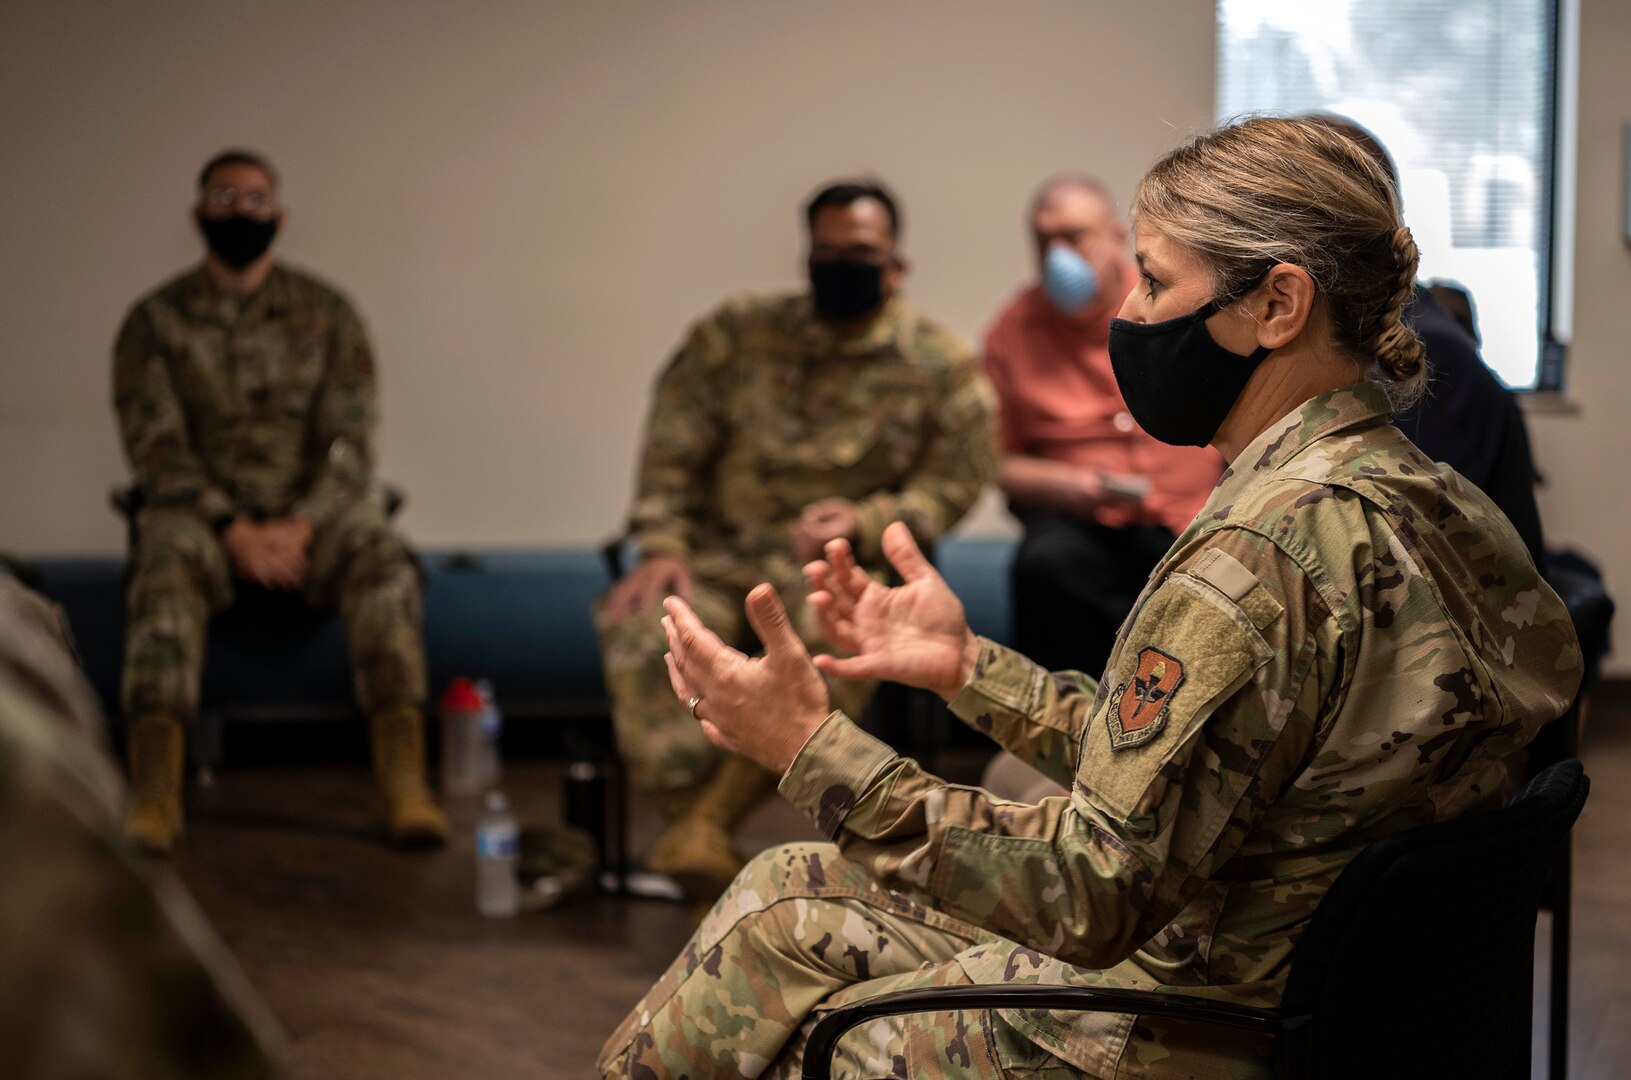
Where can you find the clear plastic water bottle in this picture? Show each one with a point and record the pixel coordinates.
(492, 730)
(498, 894)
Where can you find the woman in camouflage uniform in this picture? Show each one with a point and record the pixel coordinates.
(1349, 640)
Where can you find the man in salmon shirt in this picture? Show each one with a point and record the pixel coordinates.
(1099, 499)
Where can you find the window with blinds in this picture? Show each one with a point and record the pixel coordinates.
(1461, 94)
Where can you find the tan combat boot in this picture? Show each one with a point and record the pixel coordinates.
(397, 737)
(697, 849)
(155, 745)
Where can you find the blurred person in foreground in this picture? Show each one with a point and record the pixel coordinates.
(784, 421)
(1348, 641)
(107, 967)
(246, 396)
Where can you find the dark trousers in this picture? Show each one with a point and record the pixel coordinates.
(1074, 582)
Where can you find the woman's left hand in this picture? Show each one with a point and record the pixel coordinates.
(763, 708)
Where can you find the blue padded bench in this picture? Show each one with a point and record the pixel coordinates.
(976, 568)
(519, 618)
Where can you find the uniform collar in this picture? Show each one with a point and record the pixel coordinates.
(1335, 412)
(821, 340)
(204, 301)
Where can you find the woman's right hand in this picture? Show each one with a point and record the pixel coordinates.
(914, 634)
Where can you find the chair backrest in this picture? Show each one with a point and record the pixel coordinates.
(1423, 950)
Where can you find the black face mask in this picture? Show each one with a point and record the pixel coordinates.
(845, 290)
(238, 240)
(1178, 383)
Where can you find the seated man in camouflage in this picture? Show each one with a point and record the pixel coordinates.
(783, 422)
(245, 393)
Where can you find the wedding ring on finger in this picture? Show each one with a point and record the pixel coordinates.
(692, 707)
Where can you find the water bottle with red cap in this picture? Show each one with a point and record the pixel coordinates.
(463, 745)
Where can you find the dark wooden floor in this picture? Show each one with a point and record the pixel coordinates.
(380, 969)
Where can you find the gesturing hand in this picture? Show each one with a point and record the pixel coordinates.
(914, 634)
(762, 708)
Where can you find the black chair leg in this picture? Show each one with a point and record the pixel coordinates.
(206, 745)
(1558, 1025)
(1294, 1052)
(615, 866)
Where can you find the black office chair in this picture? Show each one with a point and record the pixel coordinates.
(1419, 962)
(1580, 585)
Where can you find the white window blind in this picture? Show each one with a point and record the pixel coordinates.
(1459, 91)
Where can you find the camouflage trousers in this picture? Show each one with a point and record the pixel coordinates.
(801, 931)
(180, 577)
(663, 746)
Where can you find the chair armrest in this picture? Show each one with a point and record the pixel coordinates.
(394, 499)
(126, 500)
(1028, 996)
(611, 554)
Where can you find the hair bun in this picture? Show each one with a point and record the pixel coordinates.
(1405, 256)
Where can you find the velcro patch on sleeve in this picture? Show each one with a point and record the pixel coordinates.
(1229, 576)
(1190, 650)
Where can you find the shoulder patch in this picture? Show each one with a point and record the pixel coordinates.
(1139, 707)
(1189, 650)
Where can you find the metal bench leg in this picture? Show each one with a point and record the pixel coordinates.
(205, 745)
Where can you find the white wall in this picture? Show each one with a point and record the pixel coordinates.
(1584, 453)
(528, 201)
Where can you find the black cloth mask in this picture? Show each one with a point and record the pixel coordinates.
(1178, 382)
(238, 240)
(843, 289)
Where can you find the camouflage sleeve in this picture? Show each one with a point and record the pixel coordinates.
(959, 460)
(125, 978)
(34, 614)
(112, 969)
(1034, 714)
(683, 433)
(154, 426)
(344, 422)
(1212, 703)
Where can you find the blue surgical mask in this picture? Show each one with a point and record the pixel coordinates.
(1068, 279)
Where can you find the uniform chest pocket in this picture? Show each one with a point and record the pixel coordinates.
(296, 372)
(761, 406)
(202, 375)
(1190, 651)
(821, 415)
(878, 419)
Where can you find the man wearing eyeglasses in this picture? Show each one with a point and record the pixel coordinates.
(783, 422)
(246, 398)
